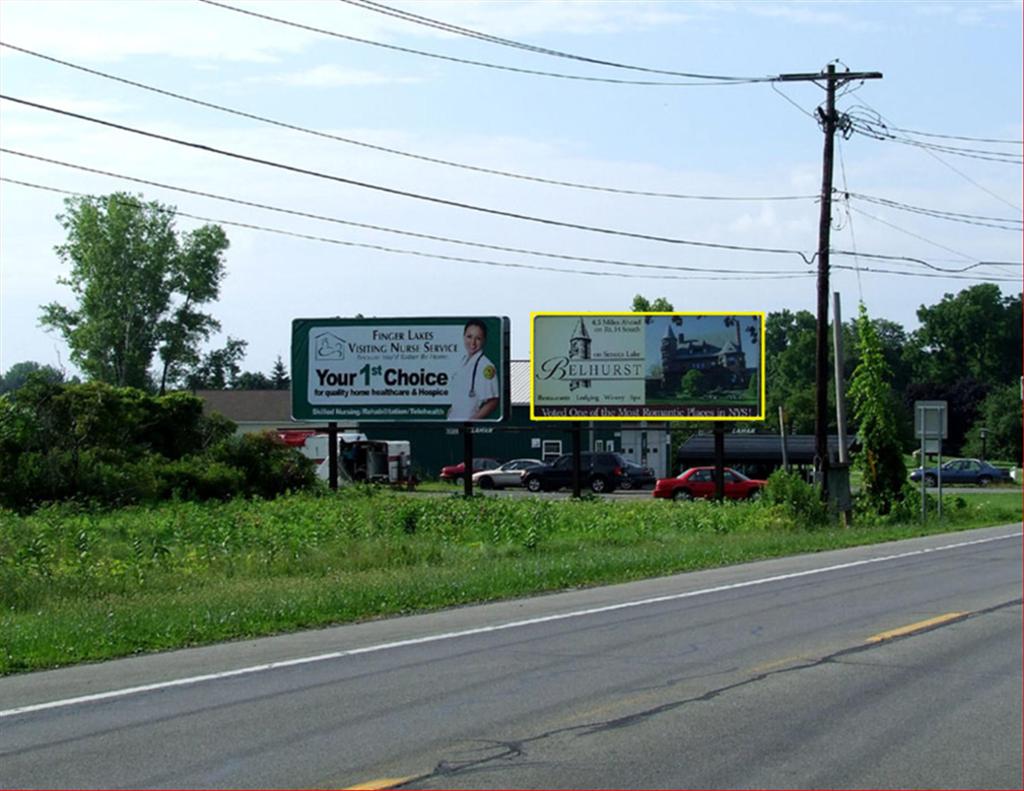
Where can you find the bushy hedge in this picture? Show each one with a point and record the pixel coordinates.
(801, 499)
(115, 446)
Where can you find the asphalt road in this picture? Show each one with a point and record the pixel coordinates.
(784, 673)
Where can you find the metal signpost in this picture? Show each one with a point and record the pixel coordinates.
(931, 425)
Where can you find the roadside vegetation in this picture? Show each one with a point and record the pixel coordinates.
(81, 584)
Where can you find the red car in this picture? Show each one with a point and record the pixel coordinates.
(456, 472)
(700, 482)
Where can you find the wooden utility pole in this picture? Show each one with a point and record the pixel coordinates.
(830, 121)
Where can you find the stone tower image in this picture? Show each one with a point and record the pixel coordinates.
(579, 349)
(669, 347)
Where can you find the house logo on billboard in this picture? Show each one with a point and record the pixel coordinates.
(328, 346)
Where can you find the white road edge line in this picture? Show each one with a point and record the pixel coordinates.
(306, 660)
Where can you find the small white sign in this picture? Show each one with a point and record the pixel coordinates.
(931, 420)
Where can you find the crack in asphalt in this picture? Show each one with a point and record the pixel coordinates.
(513, 750)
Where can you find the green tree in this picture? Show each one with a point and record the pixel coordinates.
(17, 375)
(139, 286)
(279, 378)
(789, 359)
(252, 380)
(874, 408)
(218, 369)
(643, 305)
(692, 384)
(1000, 416)
(975, 333)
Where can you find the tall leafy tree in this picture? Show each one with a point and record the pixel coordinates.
(139, 287)
(789, 358)
(219, 369)
(975, 333)
(18, 374)
(1000, 417)
(874, 408)
(659, 305)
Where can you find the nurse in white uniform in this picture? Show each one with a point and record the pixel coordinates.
(474, 385)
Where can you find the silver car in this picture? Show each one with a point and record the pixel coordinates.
(508, 474)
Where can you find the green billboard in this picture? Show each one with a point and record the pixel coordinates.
(451, 368)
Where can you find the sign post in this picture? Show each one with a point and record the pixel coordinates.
(931, 425)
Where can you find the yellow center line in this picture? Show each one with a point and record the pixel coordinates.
(379, 783)
(916, 627)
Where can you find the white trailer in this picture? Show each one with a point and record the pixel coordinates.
(370, 461)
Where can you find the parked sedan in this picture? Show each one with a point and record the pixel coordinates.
(962, 471)
(637, 476)
(700, 482)
(455, 472)
(602, 473)
(508, 474)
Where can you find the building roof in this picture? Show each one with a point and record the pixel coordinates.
(275, 406)
(756, 448)
(249, 406)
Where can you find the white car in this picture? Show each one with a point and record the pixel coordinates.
(508, 474)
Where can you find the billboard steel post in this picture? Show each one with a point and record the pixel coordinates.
(467, 459)
(332, 455)
(719, 462)
(577, 473)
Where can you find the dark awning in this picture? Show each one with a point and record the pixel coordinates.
(755, 449)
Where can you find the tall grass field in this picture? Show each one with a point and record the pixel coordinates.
(81, 585)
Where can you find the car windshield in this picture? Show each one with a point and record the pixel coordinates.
(739, 475)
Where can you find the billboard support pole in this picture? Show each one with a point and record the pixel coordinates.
(576, 461)
(719, 462)
(332, 455)
(467, 459)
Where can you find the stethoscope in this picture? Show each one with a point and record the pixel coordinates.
(472, 379)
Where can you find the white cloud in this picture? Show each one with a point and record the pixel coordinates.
(329, 76)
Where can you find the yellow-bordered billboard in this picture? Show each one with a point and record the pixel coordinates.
(647, 366)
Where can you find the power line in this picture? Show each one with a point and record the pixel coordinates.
(853, 238)
(930, 275)
(395, 151)
(969, 219)
(406, 194)
(482, 64)
(418, 19)
(486, 262)
(438, 256)
(926, 264)
(381, 228)
(908, 233)
(956, 137)
(946, 164)
(463, 242)
(968, 153)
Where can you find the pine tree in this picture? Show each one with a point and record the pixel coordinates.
(279, 375)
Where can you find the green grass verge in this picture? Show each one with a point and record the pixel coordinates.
(81, 586)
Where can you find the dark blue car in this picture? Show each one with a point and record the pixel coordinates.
(962, 471)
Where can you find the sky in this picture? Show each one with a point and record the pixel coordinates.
(949, 68)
